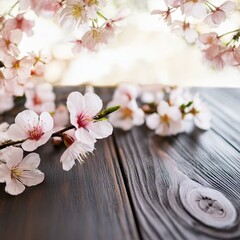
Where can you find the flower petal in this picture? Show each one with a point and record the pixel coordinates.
(93, 104)
(26, 120)
(30, 162)
(14, 157)
(32, 178)
(16, 133)
(5, 173)
(46, 121)
(84, 136)
(14, 187)
(153, 121)
(29, 145)
(100, 129)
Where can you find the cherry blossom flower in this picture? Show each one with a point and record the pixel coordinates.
(167, 121)
(128, 91)
(128, 116)
(209, 38)
(40, 98)
(35, 129)
(186, 30)
(76, 150)
(73, 14)
(166, 14)
(93, 6)
(3, 132)
(173, 3)
(195, 8)
(96, 37)
(231, 56)
(200, 113)
(44, 7)
(219, 15)
(82, 111)
(11, 86)
(19, 172)
(19, 22)
(39, 61)
(6, 101)
(9, 42)
(17, 68)
(78, 46)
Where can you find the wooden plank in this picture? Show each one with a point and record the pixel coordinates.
(157, 169)
(224, 104)
(88, 202)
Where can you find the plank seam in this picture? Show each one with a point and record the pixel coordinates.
(127, 188)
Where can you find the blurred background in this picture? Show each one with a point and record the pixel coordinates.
(145, 52)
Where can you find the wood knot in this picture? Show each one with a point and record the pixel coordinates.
(208, 206)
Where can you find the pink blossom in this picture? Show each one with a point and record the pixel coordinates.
(186, 30)
(128, 91)
(96, 37)
(166, 14)
(231, 56)
(82, 110)
(73, 14)
(167, 121)
(40, 98)
(6, 101)
(129, 114)
(11, 86)
(35, 129)
(76, 150)
(173, 3)
(3, 134)
(43, 7)
(93, 6)
(219, 15)
(9, 42)
(195, 8)
(200, 113)
(20, 68)
(214, 54)
(209, 38)
(39, 61)
(19, 172)
(78, 46)
(19, 22)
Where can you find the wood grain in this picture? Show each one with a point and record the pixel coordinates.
(88, 202)
(132, 187)
(154, 169)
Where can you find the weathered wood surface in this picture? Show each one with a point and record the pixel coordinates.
(134, 186)
(88, 202)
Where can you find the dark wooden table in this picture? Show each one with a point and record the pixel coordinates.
(136, 186)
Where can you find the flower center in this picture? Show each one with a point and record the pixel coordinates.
(83, 121)
(127, 113)
(16, 172)
(77, 11)
(16, 65)
(165, 118)
(35, 133)
(37, 100)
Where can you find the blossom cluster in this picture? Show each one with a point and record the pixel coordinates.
(168, 111)
(32, 130)
(23, 73)
(220, 49)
